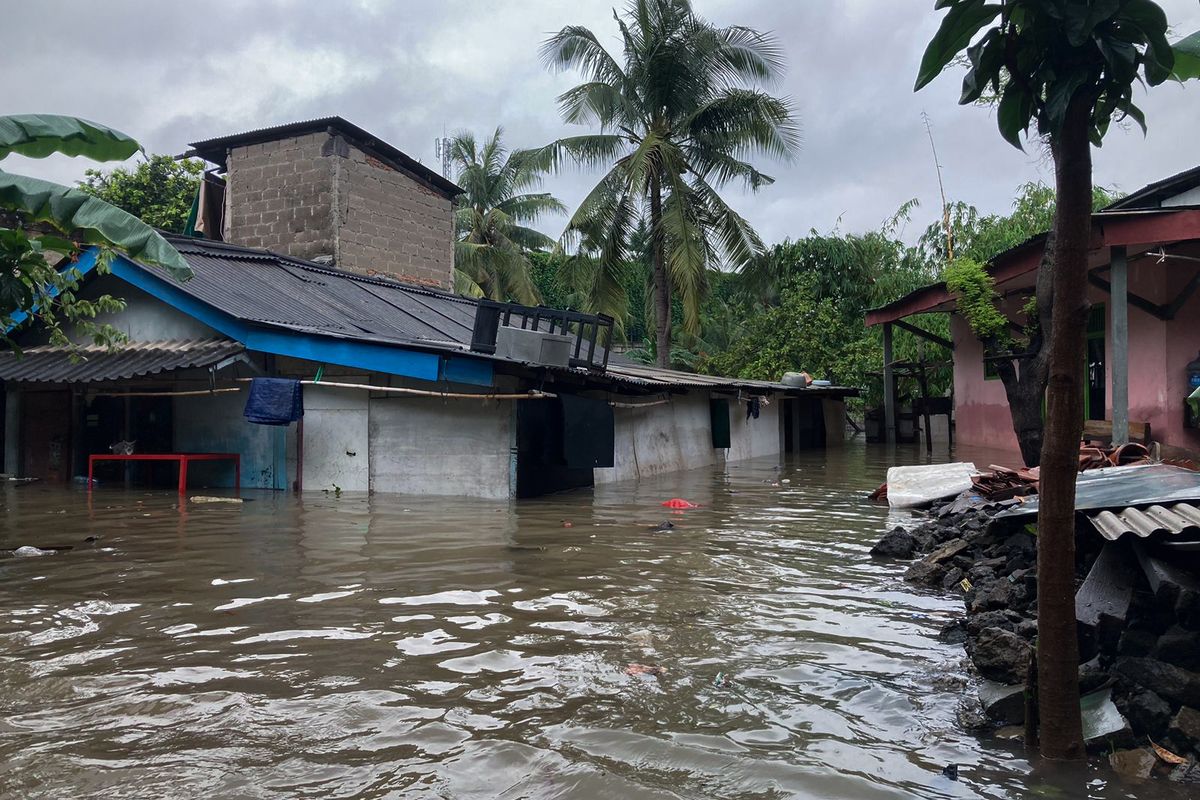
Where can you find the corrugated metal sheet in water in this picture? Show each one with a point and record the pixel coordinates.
(50, 364)
(1167, 520)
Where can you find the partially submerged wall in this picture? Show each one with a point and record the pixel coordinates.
(678, 435)
(441, 447)
(214, 424)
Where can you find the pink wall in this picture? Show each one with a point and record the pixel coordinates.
(1158, 356)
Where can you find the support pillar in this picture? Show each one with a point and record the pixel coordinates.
(1119, 308)
(889, 387)
(12, 433)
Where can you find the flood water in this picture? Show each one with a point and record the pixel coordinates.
(339, 647)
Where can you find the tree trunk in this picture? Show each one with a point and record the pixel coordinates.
(1061, 732)
(1025, 384)
(662, 283)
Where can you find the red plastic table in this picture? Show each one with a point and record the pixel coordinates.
(183, 458)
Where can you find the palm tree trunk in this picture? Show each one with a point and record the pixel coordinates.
(1061, 732)
(662, 284)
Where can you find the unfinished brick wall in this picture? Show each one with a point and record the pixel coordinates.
(393, 224)
(317, 196)
(279, 196)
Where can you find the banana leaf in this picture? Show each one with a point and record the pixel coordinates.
(40, 135)
(90, 219)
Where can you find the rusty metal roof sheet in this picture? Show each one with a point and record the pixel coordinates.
(1144, 522)
(56, 364)
(1132, 485)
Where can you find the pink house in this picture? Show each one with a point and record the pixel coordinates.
(1141, 339)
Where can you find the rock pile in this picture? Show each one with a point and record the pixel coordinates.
(1141, 676)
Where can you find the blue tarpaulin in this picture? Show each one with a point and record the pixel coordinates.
(274, 401)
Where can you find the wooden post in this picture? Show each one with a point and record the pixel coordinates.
(925, 410)
(1120, 345)
(889, 387)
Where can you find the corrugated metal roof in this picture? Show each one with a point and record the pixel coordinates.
(656, 377)
(55, 364)
(274, 289)
(1152, 194)
(266, 288)
(1143, 522)
(214, 149)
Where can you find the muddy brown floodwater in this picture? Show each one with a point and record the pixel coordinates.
(423, 648)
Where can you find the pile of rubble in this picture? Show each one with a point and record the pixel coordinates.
(1137, 605)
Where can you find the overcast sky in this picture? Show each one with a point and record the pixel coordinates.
(171, 73)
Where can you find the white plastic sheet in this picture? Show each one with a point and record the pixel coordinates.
(915, 486)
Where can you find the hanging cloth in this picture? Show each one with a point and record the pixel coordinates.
(274, 401)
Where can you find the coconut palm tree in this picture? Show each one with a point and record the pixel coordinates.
(493, 240)
(678, 115)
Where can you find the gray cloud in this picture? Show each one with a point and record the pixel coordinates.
(171, 73)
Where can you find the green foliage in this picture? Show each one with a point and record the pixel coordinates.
(159, 191)
(38, 279)
(1041, 54)
(977, 298)
(982, 237)
(1187, 58)
(803, 332)
(677, 115)
(89, 220)
(41, 135)
(41, 281)
(491, 254)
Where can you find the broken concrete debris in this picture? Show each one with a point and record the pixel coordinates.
(1137, 607)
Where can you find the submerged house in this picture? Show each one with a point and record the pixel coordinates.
(334, 268)
(1143, 332)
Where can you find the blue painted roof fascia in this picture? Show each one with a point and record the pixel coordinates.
(84, 264)
(373, 356)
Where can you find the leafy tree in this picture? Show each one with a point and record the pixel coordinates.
(982, 237)
(491, 255)
(43, 225)
(976, 240)
(805, 331)
(1067, 67)
(159, 191)
(677, 116)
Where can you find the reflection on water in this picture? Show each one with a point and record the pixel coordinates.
(405, 647)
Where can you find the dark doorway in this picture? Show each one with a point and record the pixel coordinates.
(46, 435)
(147, 421)
(803, 424)
(560, 442)
(1096, 398)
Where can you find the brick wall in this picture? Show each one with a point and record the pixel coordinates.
(280, 196)
(316, 195)
(393, 224)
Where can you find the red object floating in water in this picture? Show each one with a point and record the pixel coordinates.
(679, 502)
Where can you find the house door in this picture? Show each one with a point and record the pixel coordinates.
(46, 435)
(1096, 395)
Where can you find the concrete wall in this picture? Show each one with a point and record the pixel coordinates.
(435, 447)
(336, 440)
(214, 424)
(317, 195)
(1158, 356)
(392, 224)
(751, 438)
(145, 318)
(678, 435)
